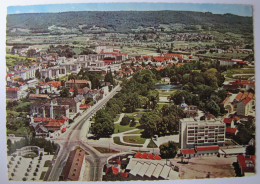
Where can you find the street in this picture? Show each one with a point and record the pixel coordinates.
(73, 138)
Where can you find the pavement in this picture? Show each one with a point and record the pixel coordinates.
(20, 165)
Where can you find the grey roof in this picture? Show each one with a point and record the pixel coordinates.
(143, 169)
(136, 169)
(165, 171)
(173, 175)
(150, 170)
(157, 171)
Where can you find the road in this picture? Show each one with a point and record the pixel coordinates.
(73, 138)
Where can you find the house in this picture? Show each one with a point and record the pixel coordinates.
(13, 93)
(246, 164)
(190, 111)
(246, 106)
(188, 153)
(40, 131)
(71, 102)
(38, 96)
(207, 150)
(73, 170)
(49, 108)
(230, 126)
(55, 125)
(227, 62)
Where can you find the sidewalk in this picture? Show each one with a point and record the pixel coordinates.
(120, 118)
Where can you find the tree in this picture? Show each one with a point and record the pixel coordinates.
(212, 107)
(250, 150)
(109, 78)
(168, 150)
(125, 120)
(150, 122)
(64, 92)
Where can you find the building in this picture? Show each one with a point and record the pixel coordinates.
(73, 170)
(246, 164)
(227, 62)
(78, 84)
(206, 132)
(13, 93)
(53, 72)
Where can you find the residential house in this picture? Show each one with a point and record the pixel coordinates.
(78, 84)
(246, 164)
(14, 93)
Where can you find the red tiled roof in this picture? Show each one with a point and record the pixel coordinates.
(72, 89)
(238, 97)
(12, 89)
(236, 118)
(161, 58)
(227, 120)
(187, 151)
(55, 123)
(157, 157)
(231, 130)
(138, 155)
(207, 148)
(39, 119)
(144, 156)
(226, 99)
(64, 117)
(124, 175)
(242, 160)
(150, 156)
(55, 84)
(84, 106)
(179, 56)
(118, 161)
(114, 170)
(247, 100)
(244, 96)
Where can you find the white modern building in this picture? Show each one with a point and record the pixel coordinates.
(194, 132)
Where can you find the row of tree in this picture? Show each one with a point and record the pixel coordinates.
(48, 146)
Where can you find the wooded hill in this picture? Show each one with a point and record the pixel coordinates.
(122, 21)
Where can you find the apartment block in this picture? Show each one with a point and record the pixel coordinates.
(194, 132)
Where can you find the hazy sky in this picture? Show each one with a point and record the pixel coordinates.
(243, 10)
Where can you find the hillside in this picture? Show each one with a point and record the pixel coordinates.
(121, 21)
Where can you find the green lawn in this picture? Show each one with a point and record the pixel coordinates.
(136, 132)
(134, 139)
(117, 141)
(152, 144)
(122, 128)
(42, 175)
(47, 163)
(105, 150)
(116, 118)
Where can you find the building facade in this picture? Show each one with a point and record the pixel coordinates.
(195, 132)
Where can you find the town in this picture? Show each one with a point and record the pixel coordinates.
(163, 102)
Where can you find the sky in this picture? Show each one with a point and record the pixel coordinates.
(242, 10)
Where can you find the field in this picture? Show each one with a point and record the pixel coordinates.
(134, 139)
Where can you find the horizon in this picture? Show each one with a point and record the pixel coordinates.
(235, 9)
